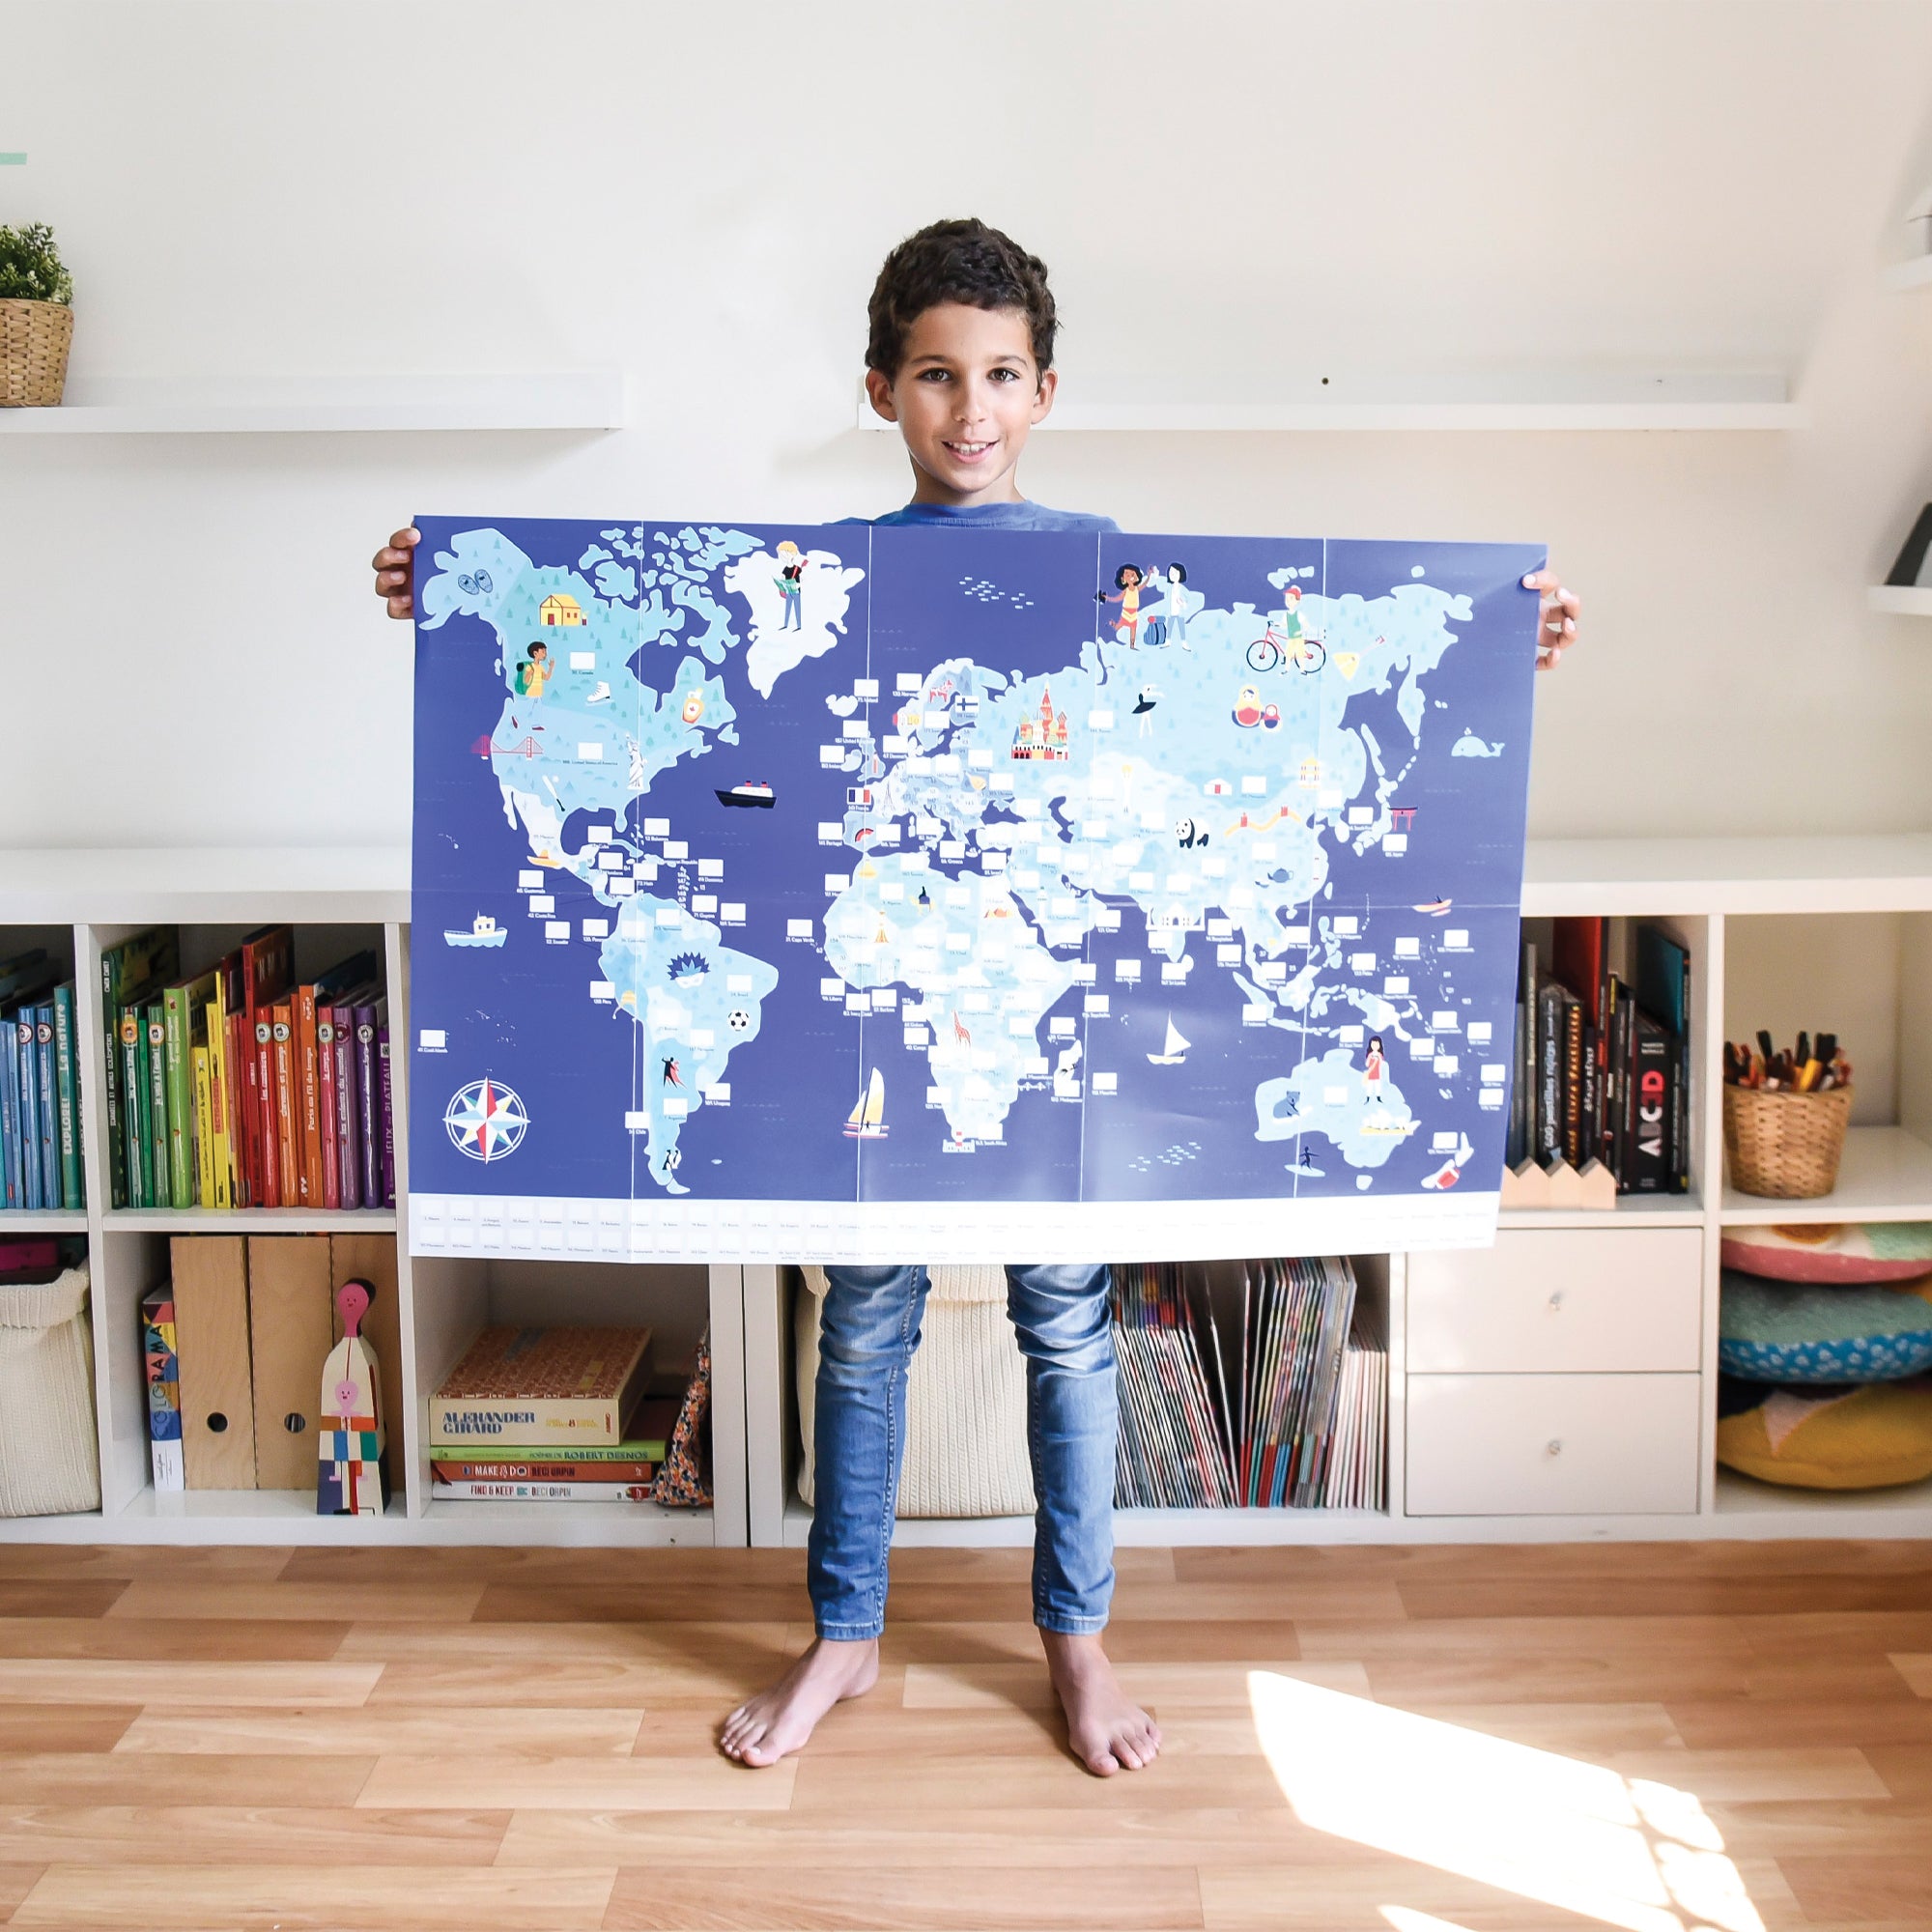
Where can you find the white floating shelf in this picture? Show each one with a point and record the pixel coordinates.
(250, 1220)
(575, 399)
(1538, 402)
(1900, 600)
(1912, 275)
(1886, 1175)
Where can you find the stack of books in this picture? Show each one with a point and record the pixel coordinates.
(1290, 1412)
(40, 1093)
(550, 1415)
(238, 1088)
(1601, 1069)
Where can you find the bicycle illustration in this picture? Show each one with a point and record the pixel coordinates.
(1271, 651)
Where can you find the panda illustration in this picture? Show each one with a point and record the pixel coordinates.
(1188, 835)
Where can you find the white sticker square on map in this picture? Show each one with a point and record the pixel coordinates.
(1085, 973)
(980, 760)
(907, 684)
(892, 892)
(1361, 815)
(737, 982)
(893, 745)
(719, 1093)
(885, 999)
(433, 1040)
(1346, 925)
(1361, 962)
(994, 862)
(958, 942)
(1445, 1021)
(645, 870)
(830, 834)
(977, 1003)
(1037, 1065)
(1107, 1083)
(1334, 1097)
(600, 835)
(667, 914)
(836, 882)
(1445, 1141)
(1395, 844)
(556, 929)
(856, 727)
(541, 903)
(915, 1035)
(1252, 1015)
(1020, 1026)
(1396, 986)
(958, 895)
(1002, 781)
(798, 928)
(703, 902)
(864, 687)
(623, 888)
(1493, 1070)
(1490, 1096)
(1349, 1035)
(1094, 1006)
(711, 868)
(603, 989)
(1108, 919)
(1273, 969)
(1296, 935)
(609, 861)
(676, 848)
(1422, 1049)
(927, 826)
(1253, 785)
(952, 848)
(1228, 955)
(858, 1002)
(704, 1036)
(584, 659)
(1127, 970)
(674, 1109)
(596, 928)
(1099, 720)
(1059, 1027)
(1026, 880)
(1408, 948)
(1328, 799)
(832, 755)
(657, 828)
(1220, 928)
(528, 882)
(589, 752)
(1480, 1033)
(1140, 882)
(1172, 972)
(832, 989)
(1455, 939)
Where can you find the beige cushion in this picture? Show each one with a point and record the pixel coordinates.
(49, 1456)
(966, 1452)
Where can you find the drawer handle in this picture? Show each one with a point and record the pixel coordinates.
(1556, 1301)
(1555, 1446)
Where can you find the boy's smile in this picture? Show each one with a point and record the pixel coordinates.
(965, 398)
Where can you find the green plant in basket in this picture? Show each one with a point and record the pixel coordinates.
(31, 268)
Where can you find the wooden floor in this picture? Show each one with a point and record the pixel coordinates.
(1656, 1737)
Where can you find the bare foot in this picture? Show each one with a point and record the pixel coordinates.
(779, 1718)
(1105, 1727)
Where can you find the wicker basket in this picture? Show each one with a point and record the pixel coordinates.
(34, 339)
(1785, 1146)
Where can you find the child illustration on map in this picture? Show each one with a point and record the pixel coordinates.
(1126, 593)
(533, 674)
(1176, 605)
(1375, 1069)
(790, 582)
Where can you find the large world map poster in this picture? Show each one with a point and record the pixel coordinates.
(886, 893)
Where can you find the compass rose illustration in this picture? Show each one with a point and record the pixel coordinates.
(486, 1120)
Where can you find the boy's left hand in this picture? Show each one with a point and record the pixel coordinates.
(1556, 612)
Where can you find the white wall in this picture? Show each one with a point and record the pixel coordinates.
(1227, 194)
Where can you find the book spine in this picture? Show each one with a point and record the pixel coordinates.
(26, 1063)
(267, 1145)
(1591, 1139)
(1548, 1073)
(239, 1072)
(158, 1104)
(221, 1192)
(327, 1145)
(305, 1049)
(73, 1193)
(349, 1143)
(163, 1371)
(366, 1124)
(204, 1129)
(1573, 1081)
(177, 1026)
(454, 1421)
(1650, 1164)
(542, 1492)
(45, 1073)
(543, 1472)
(1680, 1117)
(288, 1126)
(389, 1194)
(111, 1088)
(12, 1178)
(133, 1105)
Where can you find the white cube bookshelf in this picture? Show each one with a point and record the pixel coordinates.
(1842, 923)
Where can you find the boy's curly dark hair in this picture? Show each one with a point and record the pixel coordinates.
(956, 262)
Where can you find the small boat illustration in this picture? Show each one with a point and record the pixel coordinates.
(483, 932)
(759, 794)
(1175, 1052)
(1435, 908)
(866, 1122)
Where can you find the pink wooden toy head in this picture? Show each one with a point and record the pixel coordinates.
(353, 1298)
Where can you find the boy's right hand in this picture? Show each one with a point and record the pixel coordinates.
(394, 575)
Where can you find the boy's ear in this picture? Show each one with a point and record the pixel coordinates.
(879, 387)
(1042, 402)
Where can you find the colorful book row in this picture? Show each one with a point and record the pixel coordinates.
(240, 1087)
(39, 1093)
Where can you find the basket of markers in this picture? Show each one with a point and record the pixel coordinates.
(1785, 1116)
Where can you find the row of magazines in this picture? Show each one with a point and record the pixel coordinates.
(1273, 1396)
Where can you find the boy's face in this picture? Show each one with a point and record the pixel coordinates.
(965, 398)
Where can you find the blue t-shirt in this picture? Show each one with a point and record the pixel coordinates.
(990, 517)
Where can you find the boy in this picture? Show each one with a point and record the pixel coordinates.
(960, 357)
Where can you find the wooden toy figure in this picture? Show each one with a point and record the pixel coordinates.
(349, 1477)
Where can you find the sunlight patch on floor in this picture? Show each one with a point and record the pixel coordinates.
(1628, 1852)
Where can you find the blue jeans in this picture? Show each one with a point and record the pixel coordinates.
(869, 1325)
(793, 618)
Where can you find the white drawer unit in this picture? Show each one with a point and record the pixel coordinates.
(1559, 1300)
(1553, 1445)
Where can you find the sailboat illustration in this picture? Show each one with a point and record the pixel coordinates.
(1175, 1049)
(864, 1122)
